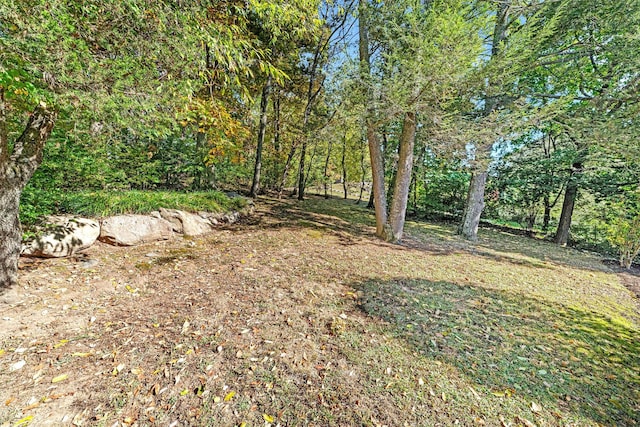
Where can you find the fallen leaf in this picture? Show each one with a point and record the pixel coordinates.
(229, 396)
(81, 354)
(60, 378)
(60, 343)
(24, 421)
(184, 392)
(268, 418)
(535, 407)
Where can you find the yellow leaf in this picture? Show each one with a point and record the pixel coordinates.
(243, 424)
(24, 421)
(2, 352)
(61, 343)
(268, 418)
(136, 371)
(60, 378)
(81, 354)
(184, 392)
(229, 396)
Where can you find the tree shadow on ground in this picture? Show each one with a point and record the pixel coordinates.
(349, 219)
(512, 346)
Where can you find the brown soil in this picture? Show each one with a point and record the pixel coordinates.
(152, 334)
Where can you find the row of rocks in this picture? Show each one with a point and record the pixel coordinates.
(65, 236)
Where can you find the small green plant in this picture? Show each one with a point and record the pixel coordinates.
(624, 234)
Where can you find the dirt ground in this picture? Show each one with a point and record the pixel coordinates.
(250, 324)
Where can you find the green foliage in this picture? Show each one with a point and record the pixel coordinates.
(624, 228)
(37, 203)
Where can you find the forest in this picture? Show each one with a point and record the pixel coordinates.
(394, 119)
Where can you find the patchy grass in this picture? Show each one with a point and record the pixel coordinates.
(298, 316)
(36, 204)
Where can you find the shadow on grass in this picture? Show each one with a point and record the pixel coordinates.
(574, 362)
(346, 217)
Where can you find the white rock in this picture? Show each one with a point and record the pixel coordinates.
(61, 237)
(129, 230)
(187, 223)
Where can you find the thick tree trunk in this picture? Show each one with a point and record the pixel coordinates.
(377, 171)
(15, 171)
(262, 129)
(474, 206)
(10, 232)
(564, 225)
(403, 178)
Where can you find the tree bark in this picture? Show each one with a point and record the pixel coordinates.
(344, 167)
(468, 228)
(474, 206)
(15, 171)
(379, 197)
(262, 129)
(570, 195)
(326, 170)
(403, 177)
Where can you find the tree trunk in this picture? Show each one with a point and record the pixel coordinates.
(287, 166)
(15, 171)
(344, 167)
(564, 225)
(364, 175)
(378, 197)
(378, 191)
(468, 228)
(403, 177)
(547, 213)
(474, 206)
(262, 129)
(326, 169)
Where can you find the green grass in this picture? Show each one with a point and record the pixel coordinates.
(36, 204)
(511, 346)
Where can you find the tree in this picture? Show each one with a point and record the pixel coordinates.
(103, 68)
(426, 50)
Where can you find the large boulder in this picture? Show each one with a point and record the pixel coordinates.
(61, 237)
(129, 230)
(186, 223)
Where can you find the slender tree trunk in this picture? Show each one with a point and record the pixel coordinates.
(287, 166)
(570, 195)
(364, 174)
(262, 129)
(301, 169)
(371, 202)
(16, 169)
(403, 177)
(468, 228)
(276, 122)
(378, 192)
(547, 213)
(474, 206)
(326, 169)
(343, 163)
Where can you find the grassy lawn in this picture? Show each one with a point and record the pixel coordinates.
(298, 316)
